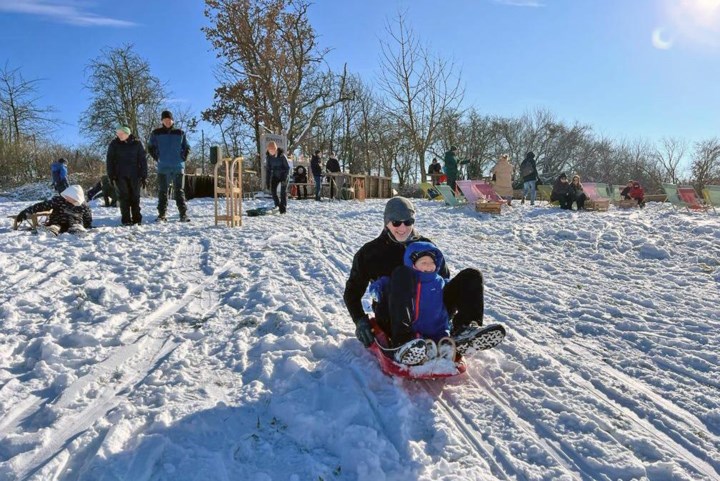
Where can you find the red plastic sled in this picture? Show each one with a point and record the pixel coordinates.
(434, 369)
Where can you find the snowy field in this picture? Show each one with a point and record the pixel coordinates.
(193, 352)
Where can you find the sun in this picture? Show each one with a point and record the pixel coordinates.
(702, 12)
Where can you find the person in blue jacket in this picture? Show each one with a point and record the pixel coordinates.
(426, 316)
(59, 172)
(170, 149)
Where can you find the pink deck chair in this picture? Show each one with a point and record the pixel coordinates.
(688, 195)
(596, 200)
(475, 190)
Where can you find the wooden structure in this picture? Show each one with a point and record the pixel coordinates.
(34, 220)
(595, 200)
(357, 183)
(481, 195)
(378, 187)
(228, 184)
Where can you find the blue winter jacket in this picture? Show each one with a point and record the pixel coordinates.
(430, 318)
(59, 172)
(170, 149)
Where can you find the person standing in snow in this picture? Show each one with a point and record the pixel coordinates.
(127, 169)
(451, 167)
(384, 257)
(529, 173)
(170, 149)
(316, 170)
(59, 172)
(70, 212)
(333, 166)
(278, 170)
(502, 178)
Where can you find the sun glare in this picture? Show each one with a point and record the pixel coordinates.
(703, 12)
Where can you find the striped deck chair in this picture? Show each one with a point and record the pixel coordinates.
(596, 201)
(430, 191)
(481, 195)
(614, 192)
(449, 196)
(711, 193)
(692, 201)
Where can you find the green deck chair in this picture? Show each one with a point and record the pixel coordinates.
(449, 197)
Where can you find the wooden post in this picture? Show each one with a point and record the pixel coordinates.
(229, 184)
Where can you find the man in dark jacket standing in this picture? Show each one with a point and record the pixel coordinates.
(332, 166)
(529, 173)
(170, 149)
(277, 174)
(127, 169)
(451, 167)
(316, 170)
(383, 256)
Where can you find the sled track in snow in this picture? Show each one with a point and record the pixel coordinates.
(141, 353)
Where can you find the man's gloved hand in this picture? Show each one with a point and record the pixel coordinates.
(21, 217)
(363, 331)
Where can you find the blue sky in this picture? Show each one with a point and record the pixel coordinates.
(640, 68)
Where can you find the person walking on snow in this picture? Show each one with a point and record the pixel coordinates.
(384, 257)
(59, 172)
(278, 170)
(529, 173)
(127, 169)
(170, 149)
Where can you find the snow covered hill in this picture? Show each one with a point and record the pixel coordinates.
(193, 352)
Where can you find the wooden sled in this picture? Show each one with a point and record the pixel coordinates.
(34, 220)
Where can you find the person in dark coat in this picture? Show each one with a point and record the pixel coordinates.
(278, 170)
(529, 173)
(561, 192)
(70, 212)
(577, 193)
(300, 177)
(451, 167)
(384, 256)
(59, 172)
(316, 170)
(128, 170)
(108, 192)
(434, 170)
(170, 149)
(332, 166)
(633, 191)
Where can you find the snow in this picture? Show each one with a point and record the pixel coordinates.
(192, 352)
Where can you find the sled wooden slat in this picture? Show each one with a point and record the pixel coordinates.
(34, 220)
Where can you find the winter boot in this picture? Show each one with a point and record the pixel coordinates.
(412, 353)
(161, 218)
(184, 218)
(431, 349)
(446, 348)
(477, 338)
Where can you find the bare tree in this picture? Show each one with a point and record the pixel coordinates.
(668, 157)
(420, 88)
(21, 116)
(272, 66)
(123, 91)
(706, 163)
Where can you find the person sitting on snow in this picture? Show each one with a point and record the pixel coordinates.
(633, 191)
(561, 192)
(70, 212)
(428, 318)
(383, 257)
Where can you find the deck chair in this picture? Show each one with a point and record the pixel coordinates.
(430, 191)
(34, 220)
(545, 193)
(614, 192)
(449, 196)
(711, 194)
(481, 195)
(595, 200)
(692, 201)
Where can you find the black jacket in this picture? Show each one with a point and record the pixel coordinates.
(64, 214)
(126, 159)
(435, 168)
(332, 165)
(576, 192)
(277, 167)
(300, 175)
(376, 259)
(560, 189)
(528, 169)
(315, 166)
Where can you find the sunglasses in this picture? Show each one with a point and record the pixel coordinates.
(398, 223)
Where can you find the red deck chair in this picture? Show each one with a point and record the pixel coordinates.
(688, 195)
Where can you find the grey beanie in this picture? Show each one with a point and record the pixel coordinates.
(399, 208)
